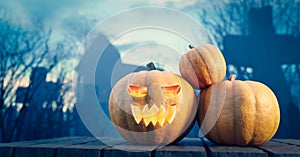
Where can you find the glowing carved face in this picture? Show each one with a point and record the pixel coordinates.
(156, 104)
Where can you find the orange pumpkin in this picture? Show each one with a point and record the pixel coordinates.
(152, 107)
(236, 112)
(203, 66)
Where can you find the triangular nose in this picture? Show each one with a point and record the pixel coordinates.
(149, 105)
(155, 95)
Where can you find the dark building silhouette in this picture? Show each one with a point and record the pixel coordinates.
(38, 113)
(39, 91)
(10, 118)
(265, 52)
(108, 71)
(37, 97)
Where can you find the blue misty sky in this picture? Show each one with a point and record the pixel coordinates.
(78, 17)
(48, 8)
(55, 12)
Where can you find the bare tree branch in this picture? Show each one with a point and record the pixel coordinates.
(23, 49)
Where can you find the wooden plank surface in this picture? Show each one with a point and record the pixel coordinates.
(47, 149)
(105, 147)
(89, 149)
(277, 149)
(288, 141)
(232, 151)
(130, 150)
(6, 149)
(185, 148)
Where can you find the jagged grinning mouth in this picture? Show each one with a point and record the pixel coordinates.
(155, 114)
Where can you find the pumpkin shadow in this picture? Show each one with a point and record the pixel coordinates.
(293, 118)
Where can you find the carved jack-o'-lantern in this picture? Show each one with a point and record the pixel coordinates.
(152, 107)
(161, 108)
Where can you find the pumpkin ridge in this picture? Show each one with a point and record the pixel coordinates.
(230, 116)
(217, 126)
(219, 67)
(194, 66)
(201, 106)
(207, 131)
(234, 113)
(255, 117)
(205, 80)
(250, 83)
(275, 124)
(147, 79)
(185, 62)
(252, 142)
(203, 109)
(213, 58)
(239, 88)
(225, 117)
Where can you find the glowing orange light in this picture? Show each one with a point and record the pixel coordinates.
(161, 113)
(171, 91)
(137, 91)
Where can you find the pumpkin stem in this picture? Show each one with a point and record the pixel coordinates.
(232, 77)
(151, 66)
(190, 46)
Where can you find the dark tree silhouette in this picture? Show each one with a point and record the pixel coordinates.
(23, 49)
(221, 18)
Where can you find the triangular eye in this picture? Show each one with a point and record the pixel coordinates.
(171, 90)
(137, 91)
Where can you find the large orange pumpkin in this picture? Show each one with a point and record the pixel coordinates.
(236, 112)
(203, 66)
(153, 107)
